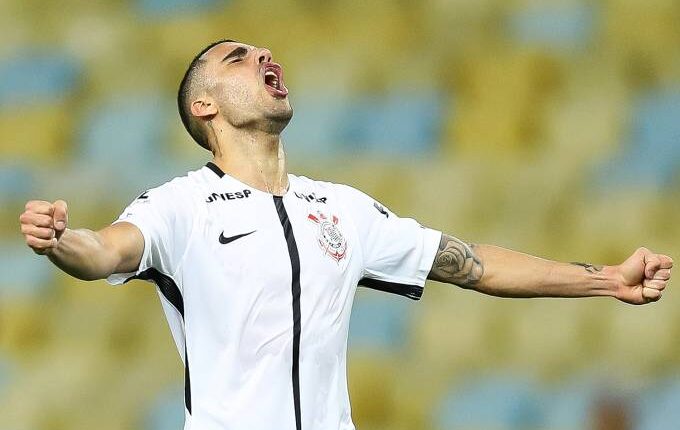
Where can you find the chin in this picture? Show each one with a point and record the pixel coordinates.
(279, 118)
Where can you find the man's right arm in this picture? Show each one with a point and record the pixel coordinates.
(82, 253)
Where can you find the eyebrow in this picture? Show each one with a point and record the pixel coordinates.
(238, 52)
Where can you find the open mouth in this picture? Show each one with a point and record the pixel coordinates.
(272, 75)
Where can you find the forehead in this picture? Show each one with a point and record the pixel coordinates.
(218, 52)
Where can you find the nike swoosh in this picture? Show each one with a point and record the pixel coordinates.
(225, 240)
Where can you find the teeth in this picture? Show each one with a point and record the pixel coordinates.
(274, 81)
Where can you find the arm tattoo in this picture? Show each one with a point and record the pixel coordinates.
(456, 263)
(591, 268)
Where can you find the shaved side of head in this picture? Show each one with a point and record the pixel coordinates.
(193, 83)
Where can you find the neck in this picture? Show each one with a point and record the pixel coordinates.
(253, 157)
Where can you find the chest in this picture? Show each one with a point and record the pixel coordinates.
(257, 243)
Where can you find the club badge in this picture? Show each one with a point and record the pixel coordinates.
(329, 236)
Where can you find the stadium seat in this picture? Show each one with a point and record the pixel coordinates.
(651, 155)
(34, 78)
(127, 134)
(32, 145)
(167, 411)
(403, 123)
(659, 406)
(23, 273)
(491, 403)
(395, 124)
(313, 131)
(16, 182)
(559, 27)
(570, 406)
(379, 321)
(6, 373)
(169, 8)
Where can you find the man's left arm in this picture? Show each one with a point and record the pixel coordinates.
(504, 273)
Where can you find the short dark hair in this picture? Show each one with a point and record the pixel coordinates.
(184, 92)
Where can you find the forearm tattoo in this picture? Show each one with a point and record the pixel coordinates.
(591, 268)
(456, 263)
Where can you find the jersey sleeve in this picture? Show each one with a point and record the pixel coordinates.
(164, 223)
(397, 252)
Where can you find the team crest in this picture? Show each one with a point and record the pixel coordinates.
(329, 236)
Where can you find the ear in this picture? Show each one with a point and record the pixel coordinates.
(204, 108)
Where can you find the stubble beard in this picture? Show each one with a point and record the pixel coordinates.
(275, 121)
(258, 111)
(272, 121)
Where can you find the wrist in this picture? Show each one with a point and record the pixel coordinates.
(610, 281)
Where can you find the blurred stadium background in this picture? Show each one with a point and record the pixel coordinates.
(551, 127)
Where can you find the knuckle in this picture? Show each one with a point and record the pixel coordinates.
(44, 233)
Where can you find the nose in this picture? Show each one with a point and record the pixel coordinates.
(262, 55)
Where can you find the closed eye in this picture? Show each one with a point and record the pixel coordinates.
(236, 55)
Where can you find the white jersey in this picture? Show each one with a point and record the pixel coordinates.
(258, 290)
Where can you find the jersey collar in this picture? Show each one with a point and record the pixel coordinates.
(212, 166)
(216, 169)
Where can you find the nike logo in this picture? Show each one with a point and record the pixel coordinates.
(225, 240)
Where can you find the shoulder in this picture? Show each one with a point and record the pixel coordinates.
(345, 195)
(341, 191)
(178, 193)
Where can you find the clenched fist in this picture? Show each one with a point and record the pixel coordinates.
(643, 277)
(43, 223)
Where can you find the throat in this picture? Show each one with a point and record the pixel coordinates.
(260, 170)
(274, 178)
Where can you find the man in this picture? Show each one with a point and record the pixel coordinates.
(257, 268)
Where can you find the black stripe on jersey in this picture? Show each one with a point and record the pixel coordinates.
(168, 287)
(413, 292)
(295, 289)
(212, 166)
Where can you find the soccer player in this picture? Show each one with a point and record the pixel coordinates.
(257, 268)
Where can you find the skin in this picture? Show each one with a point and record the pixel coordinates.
(243, 122)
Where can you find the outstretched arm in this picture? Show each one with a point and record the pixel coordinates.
(82, 253)
(505, 273)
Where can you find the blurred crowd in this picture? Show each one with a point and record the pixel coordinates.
(550, 127)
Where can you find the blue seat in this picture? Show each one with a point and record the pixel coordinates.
(167, 411)
(401, 124)
(313, 131)
(659, 406)
(491, 402)
(127, 134)
(16, 183)
(651, 154)
(570, 406)
(7, 371)
(379, 321)
(126, 129)
(168, 8)
(33, 77)
(23, 272)
(556, 27)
